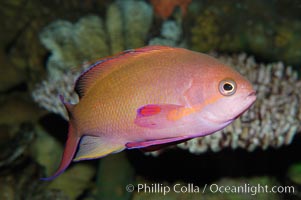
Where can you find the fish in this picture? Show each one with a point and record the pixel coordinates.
(148, 98)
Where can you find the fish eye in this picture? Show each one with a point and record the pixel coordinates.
(227, 87)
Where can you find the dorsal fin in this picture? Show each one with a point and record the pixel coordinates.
(103, 67)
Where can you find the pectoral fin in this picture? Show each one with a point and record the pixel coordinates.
(156, 115)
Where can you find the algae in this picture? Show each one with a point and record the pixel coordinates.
(74, 181)
(241, 27)
(294, 173)
(114, 173)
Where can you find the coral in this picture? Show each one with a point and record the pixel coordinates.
(71, 44)
(283, 37)
(171, 30)
(226, 28)
(205, 34)
(46, 151)
(288, 41)
(165, 8)
(90, 38)
(137, 18)
(22, 56)
(74, 181)
(47, 93)
(124, 21)
(114, 25)
(171, 35)
(272, 121)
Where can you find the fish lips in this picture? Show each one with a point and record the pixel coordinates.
(253, 93)
(251, 97)
(250, 100)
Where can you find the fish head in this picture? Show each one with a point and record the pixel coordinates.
(220, 94)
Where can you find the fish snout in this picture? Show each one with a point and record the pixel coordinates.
(252, 93)
(251, 97)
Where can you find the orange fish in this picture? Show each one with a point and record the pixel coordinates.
(149, 97)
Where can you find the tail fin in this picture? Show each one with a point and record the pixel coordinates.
(71, 144)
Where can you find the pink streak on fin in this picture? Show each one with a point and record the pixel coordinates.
(105, 66)
(155, 115)
(71, 145)
(149, 110)
(143, 144)
(161, 146)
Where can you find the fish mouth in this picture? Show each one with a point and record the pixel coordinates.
(251, 96)
(250, 99)
(253, 93)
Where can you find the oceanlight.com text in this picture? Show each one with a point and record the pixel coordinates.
(159, 188)
(249, 189)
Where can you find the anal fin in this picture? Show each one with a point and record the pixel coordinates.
(92, 147)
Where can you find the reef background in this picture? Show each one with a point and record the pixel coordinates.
(44, 43)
